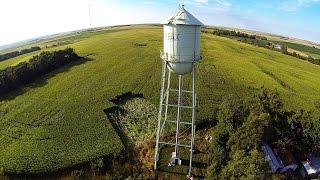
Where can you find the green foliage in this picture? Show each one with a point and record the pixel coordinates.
(97, 165)
(140, 119)
(250, 135)
(236, 152)
(258, 166)
(219, 158)
(78, 174)
(300, 47)
(26, 72)
(228, 33)
(2, 171)
(18, 53)
(59, 121)
(243, 166)
(241, 36)
(264, 42)
(309, 127)
(232, 114)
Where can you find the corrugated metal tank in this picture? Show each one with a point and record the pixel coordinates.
(182, 35)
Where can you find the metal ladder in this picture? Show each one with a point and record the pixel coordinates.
(164, 102)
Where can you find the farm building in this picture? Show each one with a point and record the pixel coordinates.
(311, 167)
(278, 46)
(274, 162)
(280, 161)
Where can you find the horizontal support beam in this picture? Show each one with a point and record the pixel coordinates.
(176, 90)
(173, 105)
(173, 144)
(180, 122)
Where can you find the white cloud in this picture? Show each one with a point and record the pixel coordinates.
(223, 5)
(202, 1)
(212, 5)
(149, 2)
(295, 5)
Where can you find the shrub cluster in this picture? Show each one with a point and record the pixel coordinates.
(26, 72)
(18, 53)
(137, 120)
(309, 58)
(221, 32)
(243, 127)
(97, 165)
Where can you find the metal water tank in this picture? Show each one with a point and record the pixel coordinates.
(182, 34)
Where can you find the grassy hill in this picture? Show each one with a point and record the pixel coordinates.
(310, 51)
(59, 120)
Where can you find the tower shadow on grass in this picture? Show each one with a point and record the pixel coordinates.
(113, 113)
(123, 98)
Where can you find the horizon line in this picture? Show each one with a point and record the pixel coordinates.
(3, 47)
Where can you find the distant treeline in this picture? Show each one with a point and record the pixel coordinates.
(26, 72)
(309, 58)
(220, 32)
(18, 53)
(261, 42)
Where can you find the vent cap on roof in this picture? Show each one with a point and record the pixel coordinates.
(183, 17)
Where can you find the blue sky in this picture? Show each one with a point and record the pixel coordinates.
(22, 19)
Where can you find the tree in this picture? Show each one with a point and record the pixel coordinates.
(250, 135)
(232, 113)
(242, 166)
(241, 129)
(25, 72)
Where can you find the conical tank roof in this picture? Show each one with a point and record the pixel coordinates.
(183, 17)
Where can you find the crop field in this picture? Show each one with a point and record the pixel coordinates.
(59, 120)
(311, 51)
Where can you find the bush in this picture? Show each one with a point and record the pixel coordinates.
(18, 53)
(137, 120)
(97, 165)
(78, 174)
(238, 136)
(2, 171)
(26, 72)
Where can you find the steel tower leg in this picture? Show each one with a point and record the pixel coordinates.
(193, 116)
(178, 114)
(167, 102)
(164, 67)
(164, 101)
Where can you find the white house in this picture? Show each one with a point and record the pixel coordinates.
(311, 167)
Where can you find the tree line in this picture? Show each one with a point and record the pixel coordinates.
(242, 128)
(261, 42)
(18, 53)
(26, 72)
(228, 33)
(297, 55)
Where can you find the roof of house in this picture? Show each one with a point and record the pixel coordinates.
(274, 162)
(312, 166)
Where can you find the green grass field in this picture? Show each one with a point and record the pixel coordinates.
(311, 51)
(59, 120)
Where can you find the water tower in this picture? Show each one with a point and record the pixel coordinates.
(181, 52)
